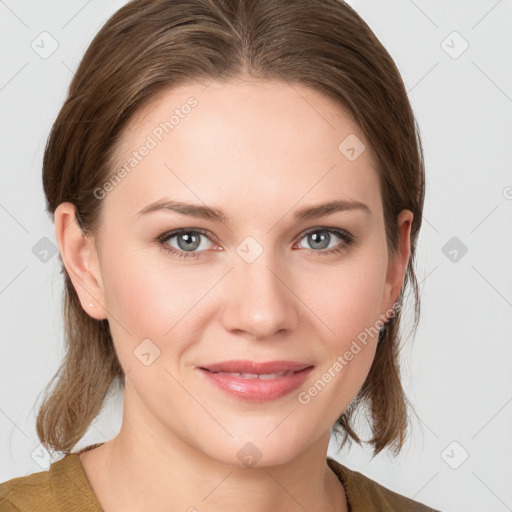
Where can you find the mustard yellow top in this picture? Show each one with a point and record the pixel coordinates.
(65, 487)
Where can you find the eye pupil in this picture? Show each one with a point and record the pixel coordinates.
(315, 238)
(191, 242)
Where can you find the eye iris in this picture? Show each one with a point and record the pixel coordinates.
(322, 240)
(187, 241)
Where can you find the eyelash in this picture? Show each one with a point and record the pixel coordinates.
(163, 239)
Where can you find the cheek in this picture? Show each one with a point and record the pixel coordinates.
(136, 295)
(147, 297)
(348, 298)
(347, 301)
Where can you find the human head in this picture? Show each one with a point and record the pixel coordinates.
(145, 49)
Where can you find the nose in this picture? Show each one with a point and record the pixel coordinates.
(260, 299)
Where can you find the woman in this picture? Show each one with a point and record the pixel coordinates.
(237, 189)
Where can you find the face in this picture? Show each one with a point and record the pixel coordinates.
(246, 276)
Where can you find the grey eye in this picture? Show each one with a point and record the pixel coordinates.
(321, 238)
(187, 241)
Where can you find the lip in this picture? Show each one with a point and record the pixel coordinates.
(245, 366)
(255, 389)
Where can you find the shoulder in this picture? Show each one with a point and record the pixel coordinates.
(366, 495)
(63, 485)
(31, 492)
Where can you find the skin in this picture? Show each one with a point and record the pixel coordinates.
(258, 150)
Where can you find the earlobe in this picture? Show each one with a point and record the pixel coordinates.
(79, 256)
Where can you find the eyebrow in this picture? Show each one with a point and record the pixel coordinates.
(209, 213)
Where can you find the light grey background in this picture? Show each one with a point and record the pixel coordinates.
(457, 371)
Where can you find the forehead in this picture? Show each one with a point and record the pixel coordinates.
(247, 143)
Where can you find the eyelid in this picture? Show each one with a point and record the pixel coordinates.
(208, 234)
(339, 231)
(347, 240)
(178, 253)
(173, 232)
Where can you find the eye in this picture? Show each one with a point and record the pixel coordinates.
(321, 238)
(187, 242)
(190, 243)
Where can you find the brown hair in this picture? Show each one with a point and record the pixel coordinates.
(149, 46)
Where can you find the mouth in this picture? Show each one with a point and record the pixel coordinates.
(255, 381)
(255, 367)
(261, 376)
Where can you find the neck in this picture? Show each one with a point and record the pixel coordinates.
(148, 468)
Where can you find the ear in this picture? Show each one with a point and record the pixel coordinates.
(78, 253)
(398, 263)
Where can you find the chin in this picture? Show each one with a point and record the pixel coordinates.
(258, 450)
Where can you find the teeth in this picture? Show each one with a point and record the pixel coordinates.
(269, 376)
(261, 376)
